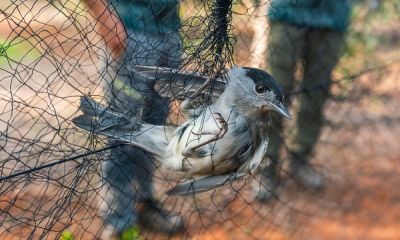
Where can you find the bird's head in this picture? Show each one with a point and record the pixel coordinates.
(254, 92)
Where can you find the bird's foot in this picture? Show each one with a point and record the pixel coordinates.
(222, 129)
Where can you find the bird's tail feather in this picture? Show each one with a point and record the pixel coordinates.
(92, 108)
(102, 121)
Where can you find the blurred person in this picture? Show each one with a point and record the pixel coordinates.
(145, 33)
(310, 32)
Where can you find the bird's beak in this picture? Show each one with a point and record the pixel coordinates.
(282, 110)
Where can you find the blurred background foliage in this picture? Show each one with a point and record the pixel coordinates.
(374, 28)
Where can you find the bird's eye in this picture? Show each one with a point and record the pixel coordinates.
(260, 88)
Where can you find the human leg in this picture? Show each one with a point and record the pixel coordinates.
(119, 190)
(323, 51)
(156, 111)
(129, 190)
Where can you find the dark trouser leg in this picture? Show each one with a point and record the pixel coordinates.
(121, 190)
(127, 176)
(323, 51)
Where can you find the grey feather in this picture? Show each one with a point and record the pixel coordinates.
(101, 120)
(174, 83)
(106, 118)
(89, 106)
(204, 184)
(145, 136)
(85, 122)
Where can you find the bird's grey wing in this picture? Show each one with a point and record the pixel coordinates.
(176, 83)
(204, 184)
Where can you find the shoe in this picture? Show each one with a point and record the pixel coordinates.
(152, 217)
(307, 176)
(265, 190)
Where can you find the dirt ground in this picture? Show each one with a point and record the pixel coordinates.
(358, 154)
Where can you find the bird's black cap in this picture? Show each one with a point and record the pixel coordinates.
(262, 77)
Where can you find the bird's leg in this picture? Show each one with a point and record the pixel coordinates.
(222, 125)
(223, 128)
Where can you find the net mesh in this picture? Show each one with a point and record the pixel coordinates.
(52, 174)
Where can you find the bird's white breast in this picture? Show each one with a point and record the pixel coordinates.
(224, 149)
(188, 135)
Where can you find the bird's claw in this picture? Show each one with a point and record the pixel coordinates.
(222, 124)
(223, 128)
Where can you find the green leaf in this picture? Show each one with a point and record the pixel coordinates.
(66, 235)
(131, 233)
